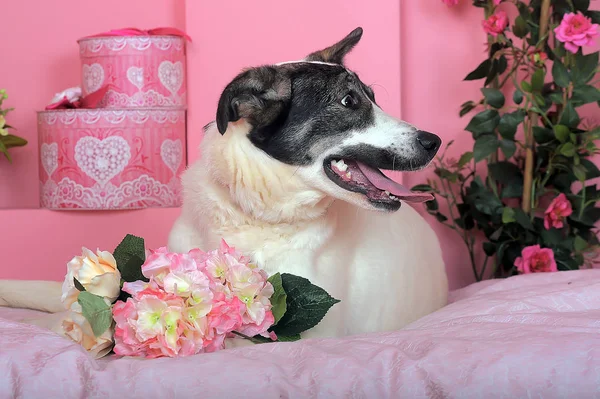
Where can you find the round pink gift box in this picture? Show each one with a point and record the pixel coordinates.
(140, 71)
(100, 159)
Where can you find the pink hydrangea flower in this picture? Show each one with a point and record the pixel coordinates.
(450, 2)
(496, 23)
(576, 30)
(191, 303)
(556, 213)
(534, 259)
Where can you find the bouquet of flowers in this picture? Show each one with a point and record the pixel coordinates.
(7, 140)
(157, 303)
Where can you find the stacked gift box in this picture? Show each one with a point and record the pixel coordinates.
(118, 141)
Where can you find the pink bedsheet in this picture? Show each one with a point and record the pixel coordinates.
(535, 336)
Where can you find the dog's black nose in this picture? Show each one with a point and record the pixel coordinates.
(429, 141)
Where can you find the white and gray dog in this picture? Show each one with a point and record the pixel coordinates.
(290, 174)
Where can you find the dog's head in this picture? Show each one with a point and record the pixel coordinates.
(317, 115)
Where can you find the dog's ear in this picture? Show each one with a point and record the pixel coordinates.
(260, 95)
(335, 54)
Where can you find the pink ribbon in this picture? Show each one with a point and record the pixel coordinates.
(141, 32)
(90, 101)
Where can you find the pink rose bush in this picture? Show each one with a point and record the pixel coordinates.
(556, 213)
(191, 303)
(535, 259)
(496, 23)
(575, 31)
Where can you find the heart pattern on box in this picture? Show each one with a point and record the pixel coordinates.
(136, 76)
(171, 152)
(171, 75)
(102, 160)
(93, 78)
(49, 157)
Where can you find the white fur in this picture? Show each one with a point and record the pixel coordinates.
(386, 269)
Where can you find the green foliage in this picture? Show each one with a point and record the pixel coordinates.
(480, 196)
(7, 140)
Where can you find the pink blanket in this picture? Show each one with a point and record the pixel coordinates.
(535, 336)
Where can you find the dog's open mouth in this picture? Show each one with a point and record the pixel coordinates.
(379, 189)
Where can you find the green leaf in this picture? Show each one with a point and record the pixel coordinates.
(278, 299)
(542, 135)
(509, 123)
(11, 141)
(569, 116)
(523, 219)
(520, 28)
(466, 108)
(96, 311)
(581, 5)
(505, 172)
(465, 159)
(561, 132)
(556, 98)
(518, 96)
(526, 86)
(493, 97)
(585, 94)
(567, 149)
(508, 148)
(537, 80)
(440, 217)
(489, 248)
(485, 146)
(484, 122)
(591, 169)
(288, 338)
(78, 285)
(481, 71)
(560, 74)
(579, 172)
(585, 68)
(426, 188)
(580, 244)
(4, 150)
(432, 205)
(508, 215)
(130, 255)
(492, 73)
(307, 304)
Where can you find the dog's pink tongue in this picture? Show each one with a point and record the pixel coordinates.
(383, 183)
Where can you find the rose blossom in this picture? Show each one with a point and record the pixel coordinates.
(496, 23)
(534, 259)
(576, 30)
(97, 273)
(77, 328)
(557, 211)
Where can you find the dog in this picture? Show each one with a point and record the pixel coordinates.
(290, 175)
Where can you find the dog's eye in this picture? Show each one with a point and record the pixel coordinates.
(349, 101)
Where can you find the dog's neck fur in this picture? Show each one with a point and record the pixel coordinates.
(238, 187)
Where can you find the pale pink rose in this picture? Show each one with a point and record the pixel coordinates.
(450, 2)
(556, 213)
(534, 259)
(98, 274)
(576, 30)
(496, 23)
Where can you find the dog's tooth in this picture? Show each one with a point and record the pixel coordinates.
(349, 175)
(387, 192)
(342, 166)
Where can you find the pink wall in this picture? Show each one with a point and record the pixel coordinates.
(417, 77)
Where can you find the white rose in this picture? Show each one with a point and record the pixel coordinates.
(72, 94)
(76, 327)
(97, 273)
